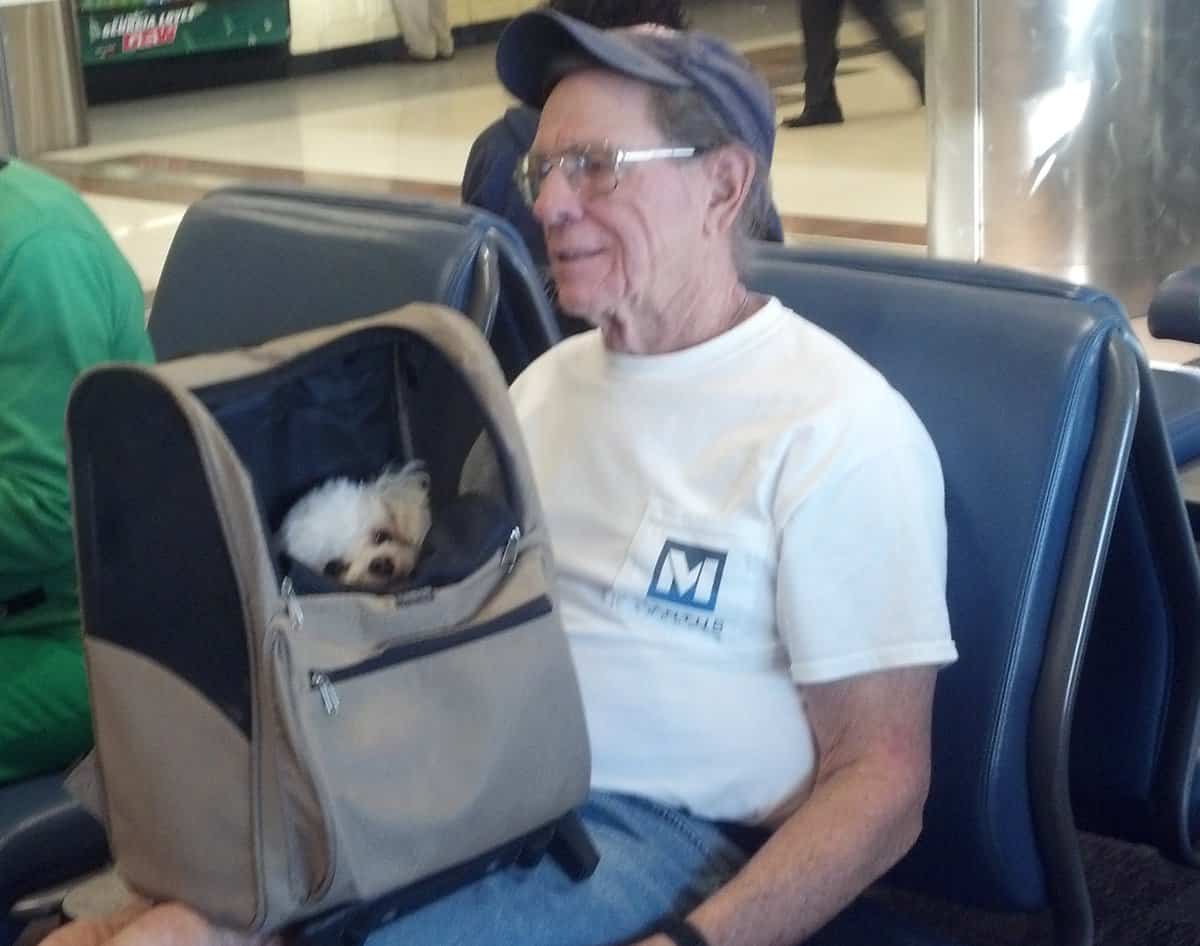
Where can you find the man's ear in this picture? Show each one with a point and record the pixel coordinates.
(731, 172)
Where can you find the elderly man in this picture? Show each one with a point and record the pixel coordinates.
(488, 179)
(748, 526)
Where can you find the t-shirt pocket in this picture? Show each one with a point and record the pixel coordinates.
(712, 576)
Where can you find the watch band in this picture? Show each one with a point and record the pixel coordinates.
(682, 932)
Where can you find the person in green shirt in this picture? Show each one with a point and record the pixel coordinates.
(68, 300)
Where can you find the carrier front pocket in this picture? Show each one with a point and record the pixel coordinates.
(447, 756)
(325, 682)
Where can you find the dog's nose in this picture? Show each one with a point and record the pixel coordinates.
(381, 567)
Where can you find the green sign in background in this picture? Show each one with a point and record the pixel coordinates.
(125, 30)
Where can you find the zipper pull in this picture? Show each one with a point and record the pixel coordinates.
(508, 560)
(329, 697)
(290, 603)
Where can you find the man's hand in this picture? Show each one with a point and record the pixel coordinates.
(143, 924)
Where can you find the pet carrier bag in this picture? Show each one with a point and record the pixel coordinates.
(265, 755)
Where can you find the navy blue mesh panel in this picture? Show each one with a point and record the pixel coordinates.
(155, 571)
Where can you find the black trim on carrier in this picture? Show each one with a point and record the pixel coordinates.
(566, 840)
(423, 647)
(156, 573)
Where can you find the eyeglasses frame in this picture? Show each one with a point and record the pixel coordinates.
(621, 157)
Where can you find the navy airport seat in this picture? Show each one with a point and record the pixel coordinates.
(1175, 314)
(1175, 309)
(248, 266)
(1029, 389)
(1177, 388)
(522, 324)
(46, 839)
(1137, 730)
(1136, 734)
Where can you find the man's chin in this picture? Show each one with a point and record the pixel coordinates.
(578, 308)
(615, 337)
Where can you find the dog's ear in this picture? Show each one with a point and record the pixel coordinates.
(409, 485)
(414, 472)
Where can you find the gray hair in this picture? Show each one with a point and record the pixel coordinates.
(685, 118)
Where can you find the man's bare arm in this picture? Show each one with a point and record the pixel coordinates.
(864, 813)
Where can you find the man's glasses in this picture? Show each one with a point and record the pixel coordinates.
(591, 171)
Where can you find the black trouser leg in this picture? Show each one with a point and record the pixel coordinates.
(907, 50)
(820, 19)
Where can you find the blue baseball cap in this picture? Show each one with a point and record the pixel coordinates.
(534, 42)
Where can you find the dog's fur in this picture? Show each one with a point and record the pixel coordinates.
(363, 534)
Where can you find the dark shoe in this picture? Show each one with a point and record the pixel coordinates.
(816, 115)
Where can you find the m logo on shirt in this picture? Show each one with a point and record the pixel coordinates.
(687, 574)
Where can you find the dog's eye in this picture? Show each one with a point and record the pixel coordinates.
(335, 568)
(380, 536)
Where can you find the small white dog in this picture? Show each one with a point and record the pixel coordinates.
(363, 534)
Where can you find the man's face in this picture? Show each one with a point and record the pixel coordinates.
(614, 254)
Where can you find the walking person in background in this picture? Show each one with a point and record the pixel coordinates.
(820, 20)
(425, 25)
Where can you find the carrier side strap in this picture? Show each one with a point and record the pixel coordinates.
(573, 849)
(352, 924)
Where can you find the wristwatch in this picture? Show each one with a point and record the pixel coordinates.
(681, 932)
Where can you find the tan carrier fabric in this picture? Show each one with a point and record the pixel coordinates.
(266, 755)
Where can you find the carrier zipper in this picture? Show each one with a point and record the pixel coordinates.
(329, 697)
(508, 558)
(315, 869)
(291, 604)
(323, 680)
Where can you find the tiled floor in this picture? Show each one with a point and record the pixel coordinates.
(407, 127)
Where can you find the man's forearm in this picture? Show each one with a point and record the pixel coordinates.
(856, 824)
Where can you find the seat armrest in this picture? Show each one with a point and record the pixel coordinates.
(1175, 308)
(46, 838)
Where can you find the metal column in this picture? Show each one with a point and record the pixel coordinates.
(1065, 137)
(42, 104)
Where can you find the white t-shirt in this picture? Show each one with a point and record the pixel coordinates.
(731, 522)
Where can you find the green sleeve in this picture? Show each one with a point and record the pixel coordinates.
(65, 305)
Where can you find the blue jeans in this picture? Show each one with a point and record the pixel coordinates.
(654, 861)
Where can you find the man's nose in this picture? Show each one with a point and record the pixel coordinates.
(557, 201)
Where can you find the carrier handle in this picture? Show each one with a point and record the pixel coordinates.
(572, 847)
(462, 343)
